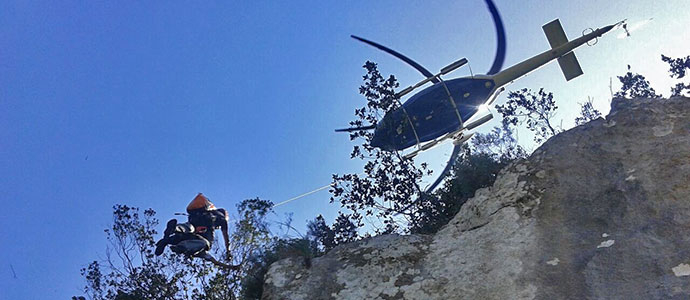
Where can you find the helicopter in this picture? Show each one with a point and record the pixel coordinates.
(447, 109)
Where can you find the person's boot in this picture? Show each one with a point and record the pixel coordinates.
(169, 230)
(160, 245)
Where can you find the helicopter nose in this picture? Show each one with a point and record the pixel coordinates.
(381, 141)
(384, 136)
(376, 141)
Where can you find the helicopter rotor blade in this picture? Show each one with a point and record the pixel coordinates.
(446, 170)
(456, 150)
(501, 39)
(404, 58)
(444, 173)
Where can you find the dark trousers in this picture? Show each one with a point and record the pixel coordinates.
(184, 240)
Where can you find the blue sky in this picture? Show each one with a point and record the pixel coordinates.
(147, 104)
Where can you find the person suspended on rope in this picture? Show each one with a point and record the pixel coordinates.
(195, 237)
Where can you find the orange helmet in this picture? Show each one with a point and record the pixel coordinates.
(200, 202)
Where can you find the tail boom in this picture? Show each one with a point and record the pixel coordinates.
(562, 52)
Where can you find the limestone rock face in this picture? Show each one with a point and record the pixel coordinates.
(601, 211)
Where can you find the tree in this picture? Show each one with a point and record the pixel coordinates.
(345, 228)
(322, 234)
(325, 238)
(587, 112)
(537, 110)
(681, 89)
(500, 143)
(476, 167)
(677, 68)
(130, 270)
(390, 182)
(635, 86)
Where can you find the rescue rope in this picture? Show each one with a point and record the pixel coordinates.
(302, 195)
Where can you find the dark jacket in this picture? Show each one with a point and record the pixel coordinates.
(207, 221)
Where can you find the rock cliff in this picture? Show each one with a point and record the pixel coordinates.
(601, 211)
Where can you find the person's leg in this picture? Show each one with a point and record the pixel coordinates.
(173, 234)
(191, 246)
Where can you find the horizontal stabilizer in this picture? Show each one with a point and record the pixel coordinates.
(555, 34)
(569, 65)
(356, 128)
(568, 62)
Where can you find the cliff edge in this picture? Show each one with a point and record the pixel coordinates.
(601, 211)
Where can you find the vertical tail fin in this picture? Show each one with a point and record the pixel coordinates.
(568, 62)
